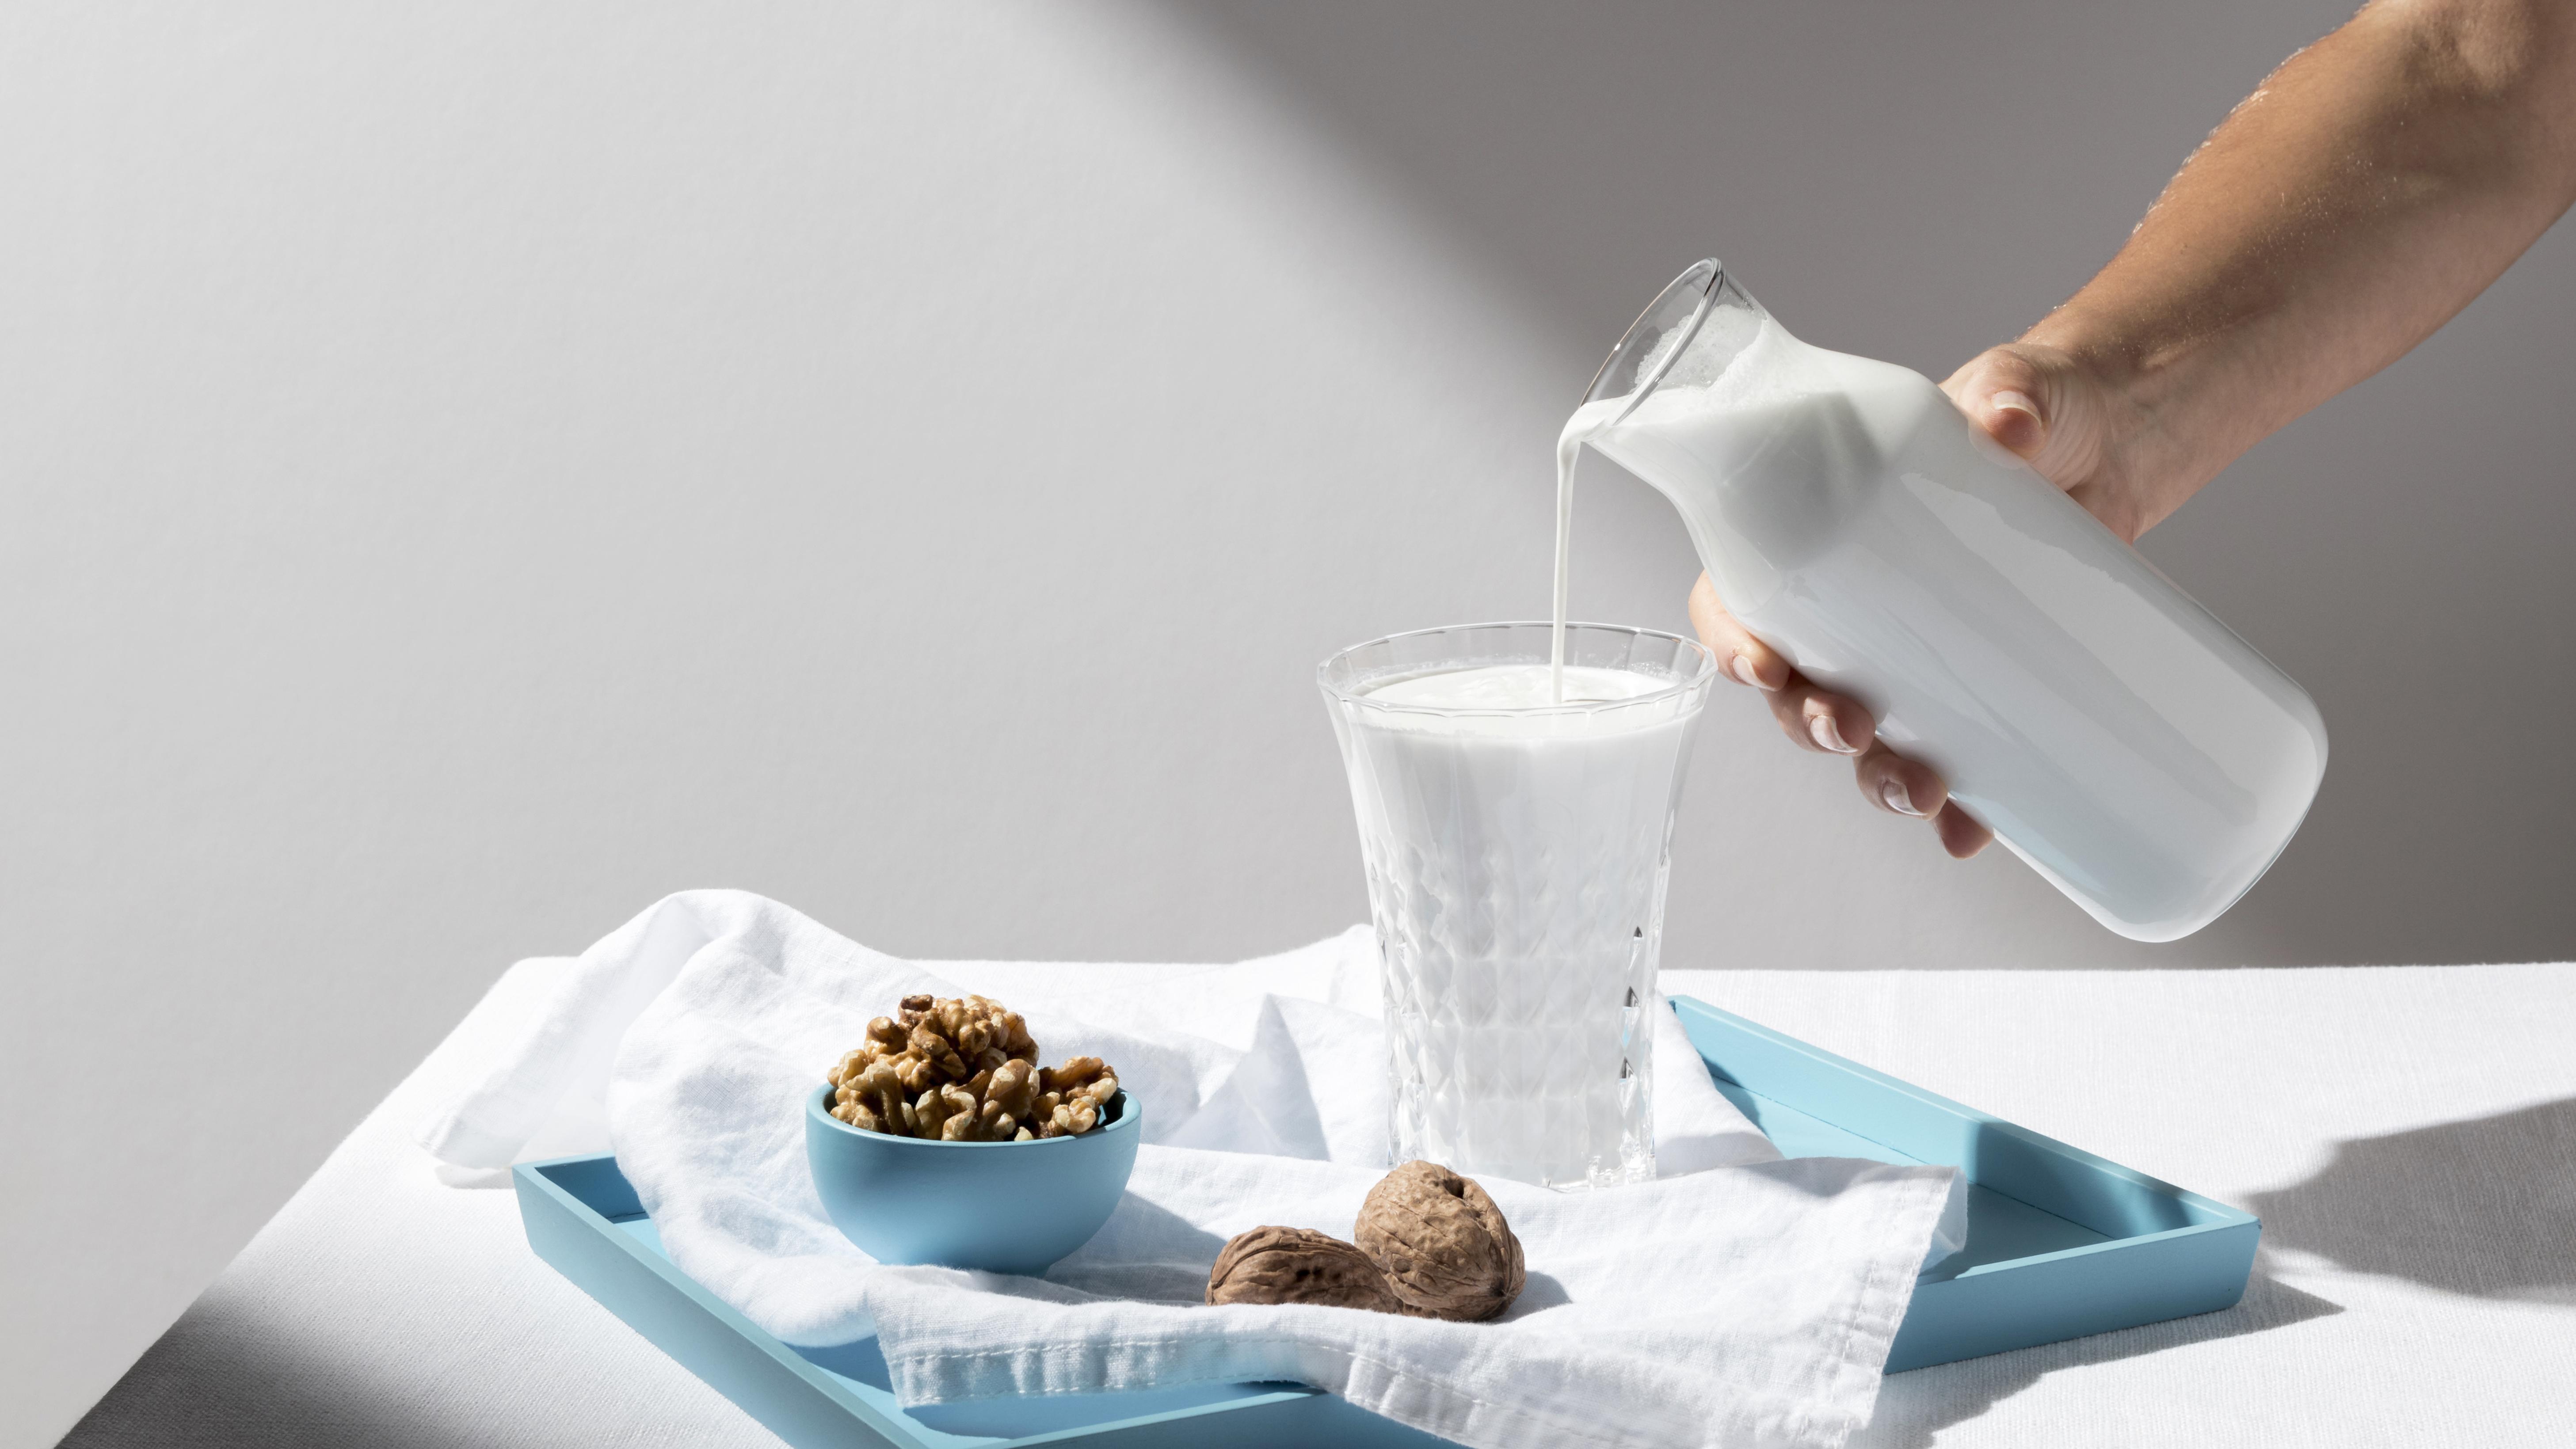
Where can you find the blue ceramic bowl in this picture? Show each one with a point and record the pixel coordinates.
(1004, 1207)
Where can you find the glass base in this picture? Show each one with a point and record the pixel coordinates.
(1536, 1069)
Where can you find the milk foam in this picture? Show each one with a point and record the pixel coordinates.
(1531, 695)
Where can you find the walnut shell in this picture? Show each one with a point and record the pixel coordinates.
(1298, 1265)
(1442, 1244)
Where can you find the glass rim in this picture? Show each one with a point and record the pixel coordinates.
(1697, 679)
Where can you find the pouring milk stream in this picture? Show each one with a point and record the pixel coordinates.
(2109, 729)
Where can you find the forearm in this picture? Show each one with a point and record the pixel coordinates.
(2376, 183)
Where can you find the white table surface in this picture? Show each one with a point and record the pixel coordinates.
(2408, 1136)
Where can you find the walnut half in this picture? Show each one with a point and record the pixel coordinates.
(1299, 1265)
(1442, 1243)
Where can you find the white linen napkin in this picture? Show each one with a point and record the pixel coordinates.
(1748, 1305)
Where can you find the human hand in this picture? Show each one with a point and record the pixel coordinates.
(2036, 401)
(2073, 429)
(1828, 723)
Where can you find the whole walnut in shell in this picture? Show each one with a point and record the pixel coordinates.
(1442, 1244)
(1299, 1265)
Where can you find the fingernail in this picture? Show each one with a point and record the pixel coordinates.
(2016, 401)
(1828, 734)
(1742, 668)
(1897, 798)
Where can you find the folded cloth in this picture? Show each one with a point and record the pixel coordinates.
(1749, 1302)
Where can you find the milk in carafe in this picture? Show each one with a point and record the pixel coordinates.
(2111, 731)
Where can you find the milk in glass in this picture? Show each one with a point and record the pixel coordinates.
(1517, 851)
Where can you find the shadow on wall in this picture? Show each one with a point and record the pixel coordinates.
(1843, 158)
(2485, 1207)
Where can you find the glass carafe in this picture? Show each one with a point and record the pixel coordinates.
(2118, 737)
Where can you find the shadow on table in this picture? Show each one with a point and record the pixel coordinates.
(2485, 1207)
(1915, 1406)
(209, 1384)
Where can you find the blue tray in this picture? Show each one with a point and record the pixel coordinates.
(2061, 1243)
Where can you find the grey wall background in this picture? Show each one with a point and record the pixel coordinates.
(471, 469)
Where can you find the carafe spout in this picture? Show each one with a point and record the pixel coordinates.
(1689, 334)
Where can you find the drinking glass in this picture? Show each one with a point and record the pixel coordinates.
(1517, 861)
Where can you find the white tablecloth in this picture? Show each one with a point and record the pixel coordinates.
(2407, 1134)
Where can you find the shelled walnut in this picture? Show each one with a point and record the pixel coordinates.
(1442, 1243)
(1432, 1244)
(964, 1069)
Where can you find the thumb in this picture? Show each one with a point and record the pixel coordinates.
(2054, 413)
(2008, 395)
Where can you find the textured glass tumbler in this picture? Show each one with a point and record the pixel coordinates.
(1516, 868)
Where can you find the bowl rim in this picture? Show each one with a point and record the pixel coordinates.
(1130, 1112)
